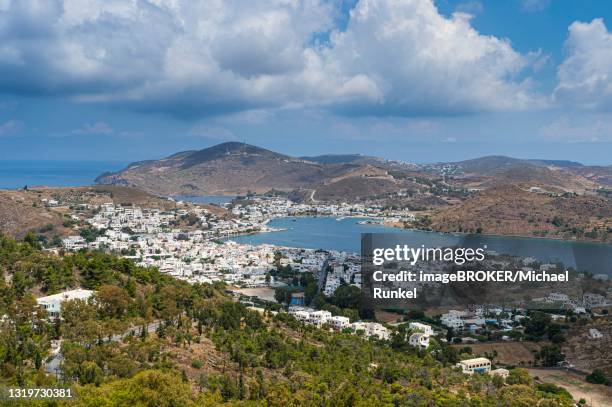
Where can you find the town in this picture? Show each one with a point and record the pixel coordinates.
(203, 252)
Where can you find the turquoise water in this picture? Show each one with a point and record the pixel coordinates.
(345, 234)
(18, 173)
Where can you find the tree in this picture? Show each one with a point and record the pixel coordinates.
(80, 322)
(519, 376)
(347, 296)
(498, 381)
(551, 355)
(147, 388)
(598, 376)
(280, 294)
(30, 238)
(449, 334)
(537, 325)
(113, 301)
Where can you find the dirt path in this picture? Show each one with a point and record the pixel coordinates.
(595, 395)
(312, 196)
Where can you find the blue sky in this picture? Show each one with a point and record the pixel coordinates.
(413, 80)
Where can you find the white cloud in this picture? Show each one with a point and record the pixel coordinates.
(584, 77)
(591, 129)
(532, 6)
(191, 59)
(414, 60)
(97, 128)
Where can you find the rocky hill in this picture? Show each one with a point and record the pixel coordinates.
(228, 168)
(552, 175)
(510, 210)
(22, 211)
(237, 168)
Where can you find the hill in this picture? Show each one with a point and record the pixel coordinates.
(207, 349)
(236, 168)
(511, 210)
(554, 175)
(344, 159)
(224, 169)
(46, 211)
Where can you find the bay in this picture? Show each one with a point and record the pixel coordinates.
(345, 235)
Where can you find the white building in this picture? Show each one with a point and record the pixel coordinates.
(318, 318)
(419, 340)
(452, 320)
(74, 243)
(500, 372)
(557, 297)
(338, 322)
(53, 303)
(477, 365)
(371, 329)
(419, 327)
(595, 334)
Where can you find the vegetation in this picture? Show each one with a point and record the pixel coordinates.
(598, 376)
(147, 339)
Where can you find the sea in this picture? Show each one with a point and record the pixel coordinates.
(16, 174)
(345, 234)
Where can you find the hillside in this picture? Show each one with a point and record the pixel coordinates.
(206, 349)
(237, 168)
(225, 169)
(22, 211)
(553, 175)
(510, 210)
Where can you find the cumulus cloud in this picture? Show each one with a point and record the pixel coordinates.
(584, 76)
(193, 59)
(410, 60)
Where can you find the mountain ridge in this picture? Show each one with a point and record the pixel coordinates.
(236, 168)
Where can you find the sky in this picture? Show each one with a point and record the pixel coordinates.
(411, 80)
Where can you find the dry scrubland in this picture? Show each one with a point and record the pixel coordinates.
(510, 210)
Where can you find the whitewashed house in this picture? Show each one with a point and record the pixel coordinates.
(419, 340)
(477, 365)
(53, 303)
(338, 322)
(420, 327)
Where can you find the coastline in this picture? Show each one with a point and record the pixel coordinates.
(458, 234)
(555, 239)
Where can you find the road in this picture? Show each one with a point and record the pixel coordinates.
(322, 276)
